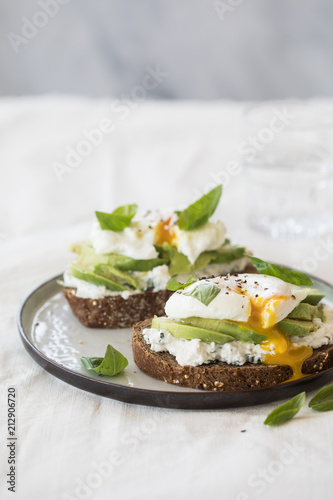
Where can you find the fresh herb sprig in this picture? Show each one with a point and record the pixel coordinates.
(112, 363)
(118, 219)
(174, 285)
(288, 275)
(322, 401)
(204, 292)
(197, 214)
(286, 411)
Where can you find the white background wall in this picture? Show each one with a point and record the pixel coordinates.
(249, 49)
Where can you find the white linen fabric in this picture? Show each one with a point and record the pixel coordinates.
(76, 445)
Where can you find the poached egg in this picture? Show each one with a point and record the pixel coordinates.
(155, 228)
(242, 296)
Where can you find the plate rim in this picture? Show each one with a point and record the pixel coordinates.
(201, 400)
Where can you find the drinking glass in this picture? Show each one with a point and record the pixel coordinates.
(287, 158)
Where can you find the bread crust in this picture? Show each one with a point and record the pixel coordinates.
(219, 376)
(116, 312)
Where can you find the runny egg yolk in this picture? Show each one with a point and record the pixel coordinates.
(285, 352)
(165, 233)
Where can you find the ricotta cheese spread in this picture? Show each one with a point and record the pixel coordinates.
(196, 352)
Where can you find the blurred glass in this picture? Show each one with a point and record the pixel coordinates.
(287, 157)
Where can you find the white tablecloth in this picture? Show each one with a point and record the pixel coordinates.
(72, 444)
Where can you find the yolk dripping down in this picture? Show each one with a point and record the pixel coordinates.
(285, 353)
(164, 232)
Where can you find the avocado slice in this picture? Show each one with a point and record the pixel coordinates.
(296, 327)
(314, 297)
(235, 330)
(187, 332)
(306, 312)
(88, 258)
(125, 263)
(95, 279)
(114, 274)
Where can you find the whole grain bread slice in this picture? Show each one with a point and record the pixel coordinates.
(116, 312)
(219, 376)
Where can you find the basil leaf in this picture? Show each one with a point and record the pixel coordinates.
(323, 400)
(174, 285)
(204, 292)
(178, 262)
(112, 363)
(197, 214)
(288, 275)
(286, 411)
(91, 363)
(228, 254)
(118, 219)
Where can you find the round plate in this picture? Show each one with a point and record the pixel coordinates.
(56, 340)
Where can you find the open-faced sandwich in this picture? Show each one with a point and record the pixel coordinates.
(238, 332)
(119, 276)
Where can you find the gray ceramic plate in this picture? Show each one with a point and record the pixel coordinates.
(56, 340)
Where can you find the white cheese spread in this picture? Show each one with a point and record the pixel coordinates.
(196, 352)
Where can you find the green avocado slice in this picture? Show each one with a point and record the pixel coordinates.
(314, 297)
(95, 279)
(306, 312)
(235, 330)
(114, 274)
(87, 257)
(187, 332)
(296, 327)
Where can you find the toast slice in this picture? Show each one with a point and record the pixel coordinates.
(219, 376)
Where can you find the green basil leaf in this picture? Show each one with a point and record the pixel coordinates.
(174, 285)
(178, 262)
(118, 219)
(91, 363)
(228, 254)
(112, 363)
(286, 411)
(197, 214)
(205, 292)
(323, 400)
(288, 275)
